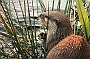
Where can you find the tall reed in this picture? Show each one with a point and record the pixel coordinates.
(23, 36)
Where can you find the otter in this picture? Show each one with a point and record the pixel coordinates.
(61, 42)
(58, 27)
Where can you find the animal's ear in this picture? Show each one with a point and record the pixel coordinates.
(40, 15)
(47, 16)
(56, 21)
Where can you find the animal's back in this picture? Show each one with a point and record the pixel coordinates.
(71, 47)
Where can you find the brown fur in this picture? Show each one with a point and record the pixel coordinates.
(71, 47)
(59, 27)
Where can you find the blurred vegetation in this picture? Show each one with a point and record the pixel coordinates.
(24, 41)
(84, 20)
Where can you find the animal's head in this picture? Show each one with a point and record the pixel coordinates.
(59, 27)
(55, 20)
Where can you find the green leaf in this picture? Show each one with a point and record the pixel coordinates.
(83, 17)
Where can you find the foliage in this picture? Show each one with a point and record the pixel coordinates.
(23, 37)
(68, 8)
(23, 40)
(83, 17)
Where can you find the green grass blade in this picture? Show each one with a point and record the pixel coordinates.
(53, 6)
(42, 5)
(58, 7)
(68, 8)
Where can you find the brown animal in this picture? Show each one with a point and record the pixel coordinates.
(61, 43)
